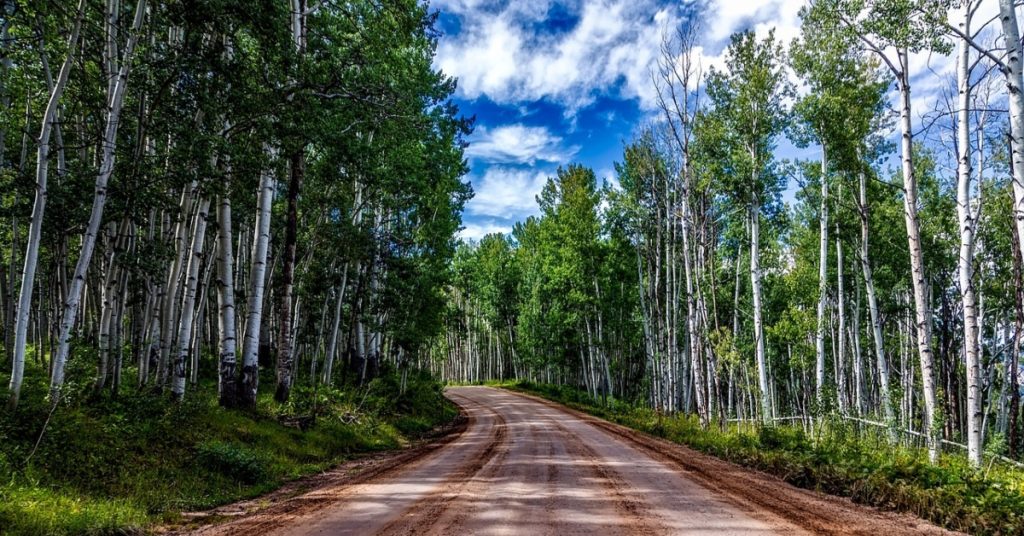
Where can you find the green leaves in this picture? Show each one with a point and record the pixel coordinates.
(837, 74)
(750, 112)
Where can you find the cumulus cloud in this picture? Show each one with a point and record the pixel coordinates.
(505, 55)
(507, 193)
(725, 17)
(518, 144)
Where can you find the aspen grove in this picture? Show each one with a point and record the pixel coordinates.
(879, 285)
(200, 190)
(264, 200)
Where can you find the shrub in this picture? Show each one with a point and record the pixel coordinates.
(232, 460)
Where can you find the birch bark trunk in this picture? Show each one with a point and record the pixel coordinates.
(285, 352)
(841, 387)
(876, 324)
(227, 379)
(285, 355)
(249, 378)
(168, 315)
(332, 346)
(28, 274)
(965, 261)
(819, 337)
(115, 102)
(1015, 93)
(755, 283)
(693, 342)
(922, 309)
(188, 301)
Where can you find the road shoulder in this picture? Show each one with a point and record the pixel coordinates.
(266, 511)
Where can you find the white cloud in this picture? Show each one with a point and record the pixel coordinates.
(503, 55)
(478, 230)
(610, 51)
(725, 17)
(484, 59)
(507, 193)
(518, 144)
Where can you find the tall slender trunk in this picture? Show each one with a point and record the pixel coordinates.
(188, 301)
(107, 306)
(1015, 93)
(869, 288)
(227, 379)
(755, 284)
(169, 313)
(645, 323)
(965, 261)
(115, 103)
(284, 349)
(858, 367)
(1014, 436)
(28, 275)
(922, 307)
(692, 340)
(332, 346)
(249, 378)
(819, 336)
(110, 297)
(5, 97)
(841, 388)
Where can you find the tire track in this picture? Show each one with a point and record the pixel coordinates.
(424, 515)
(615, 485)
(544, 445)
(535, 466)
(760, 494)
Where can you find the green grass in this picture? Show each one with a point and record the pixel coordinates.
(116, 465)
(840, 461)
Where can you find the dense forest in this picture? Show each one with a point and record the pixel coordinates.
(276, 185)
(880, 283)
(225, 240)
(223, 221)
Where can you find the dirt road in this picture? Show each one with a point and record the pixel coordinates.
(526, 466)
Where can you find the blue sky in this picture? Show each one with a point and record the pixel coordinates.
(557, 82)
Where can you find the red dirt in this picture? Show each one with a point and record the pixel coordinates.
(524, 465)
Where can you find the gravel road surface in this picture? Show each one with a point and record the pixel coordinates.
(523, 465)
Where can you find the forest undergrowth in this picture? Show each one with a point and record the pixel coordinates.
(117, 465)
(836, 458)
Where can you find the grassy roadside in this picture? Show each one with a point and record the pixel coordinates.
(838, 461)
(117, 465)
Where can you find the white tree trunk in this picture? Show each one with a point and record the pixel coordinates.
(115, 104)
(965, 261)
(841, 390)
(819, 337)
(755, 283)
(1015, 92)
(922, 307)
(692, 339)
(858, 370)
(28, 274)
(227, 379)
(188, 301)
(169, 314)
(332, 346)
(110, 297)
(257, 280)
(876, 323)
